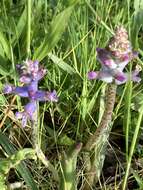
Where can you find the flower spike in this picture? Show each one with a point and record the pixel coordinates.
(30, 73)
(114, 58)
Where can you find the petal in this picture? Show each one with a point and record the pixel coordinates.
(46, 96)
(36, 65)
(25, 79)
(18, 115)
(8, 89)
(135, 76)
(135, 54)
(105, 58)
(40, 96)
(123, 62)
(136, 79)
(24, 120)
(23, 116)
(121, 78)
(32, 88)
(30, 109)
(52, 96)
(92, 75)
(34, 69)
(41, 73)
(105, 76)
(21, 91)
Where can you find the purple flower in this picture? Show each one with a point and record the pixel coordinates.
(30, 70)
(114, 59)
(30, 74)
(28, 113)
(92, 75)
(52, 96)
(8, 89)
(46, 96)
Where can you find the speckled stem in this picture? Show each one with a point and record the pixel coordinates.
(98, 142)
(35, 128)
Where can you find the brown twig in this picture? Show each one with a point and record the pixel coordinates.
(7, 112)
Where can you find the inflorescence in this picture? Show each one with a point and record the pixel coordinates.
(30, 73)
(114, 58)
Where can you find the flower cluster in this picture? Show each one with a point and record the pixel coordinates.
(114, 58)
(30, 73)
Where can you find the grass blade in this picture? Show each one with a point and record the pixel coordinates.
(22, 169)
(55, 31)
(61, 64)
(5, 45)
(133, 147)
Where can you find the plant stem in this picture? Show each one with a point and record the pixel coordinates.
(36, 145)
(35, 126)
(68, 177)
(98, 141)
(28, 26)
(132, 147)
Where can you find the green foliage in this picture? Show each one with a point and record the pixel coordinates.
(54, 33)
(64, 36)
(22, 169)
(64, 66)
(137, 22)
(11, 162)
(68, 180)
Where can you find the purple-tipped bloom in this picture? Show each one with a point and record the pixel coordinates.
(28, 113)
(114, 58)
(30, 74)
(8, 89)
(92, 75)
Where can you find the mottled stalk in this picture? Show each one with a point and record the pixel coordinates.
(97, 143)
(35, 126)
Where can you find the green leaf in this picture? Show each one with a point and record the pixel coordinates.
(61, 64)
(68, 177)
(56, 29)
(22, 169)
(137, 21)
(20, 26)
(4, 67)
(2, 100)
(65, 140)
(138, 4)
(12, 161)
(138, 179)
(4, 43)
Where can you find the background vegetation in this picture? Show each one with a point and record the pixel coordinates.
(64, 35)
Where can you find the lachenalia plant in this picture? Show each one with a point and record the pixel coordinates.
(30, 73)
(113, 60)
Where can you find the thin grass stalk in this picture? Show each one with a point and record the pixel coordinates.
(127, 114)
(29, 6)
(132, 148)
(98, 141)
